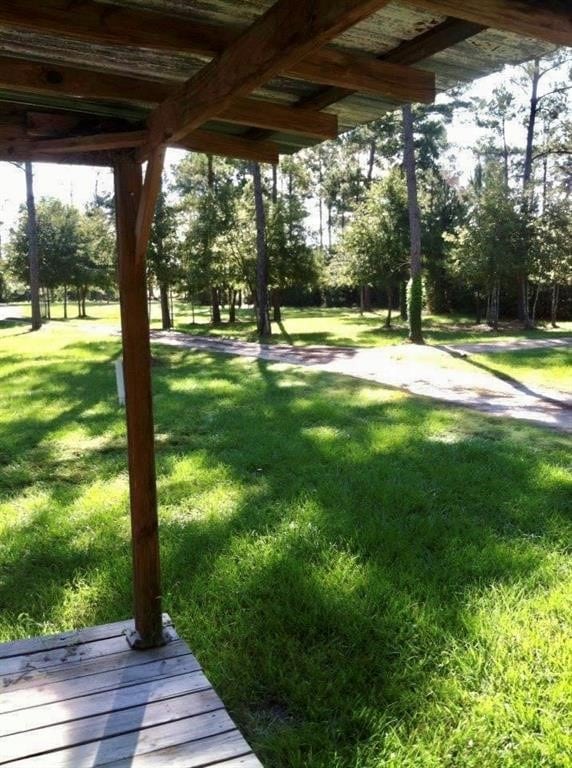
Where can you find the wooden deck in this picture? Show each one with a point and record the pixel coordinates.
(84, 699)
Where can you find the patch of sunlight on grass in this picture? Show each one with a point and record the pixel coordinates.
(367, 578)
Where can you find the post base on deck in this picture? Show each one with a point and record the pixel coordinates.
(139, 643)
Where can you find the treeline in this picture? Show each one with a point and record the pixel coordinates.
(333, 224)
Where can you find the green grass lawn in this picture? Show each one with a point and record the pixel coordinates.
(332, 327)
(547, 368)
(369, 580)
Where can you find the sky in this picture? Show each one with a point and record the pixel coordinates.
(77, 184)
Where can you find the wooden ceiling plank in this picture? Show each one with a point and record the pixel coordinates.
(549, 20)
(286, 33)
(19, 75)
(115, 25)
(165, 32)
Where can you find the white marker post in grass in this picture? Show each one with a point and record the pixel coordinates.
(119, 380)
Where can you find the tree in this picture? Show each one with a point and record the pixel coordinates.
(489, 247)
(263, 325)
(442, 212)
(33, 256)
(209, 188)
(377, 239)
(415, 298)
(553, 266)
(161, 254)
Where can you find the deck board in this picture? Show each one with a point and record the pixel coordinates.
(84, 699)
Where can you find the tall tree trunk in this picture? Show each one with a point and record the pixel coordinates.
(415, 288)
(478, 308)
(554, 305)
(65, 302)
(389, 291)
(494, 306)
(522, 276)
(276, 310)
(371, 161)
(165, 308)
(505, 152)
(33, 253)
(232, 306)
(264, 327)
(83, 299)
(403, 299)
(366, 298)
(274, 184)
(215, 306)
(533, 112)
(321, 204)
(535, 303)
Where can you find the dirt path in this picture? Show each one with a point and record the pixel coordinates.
(427, 371)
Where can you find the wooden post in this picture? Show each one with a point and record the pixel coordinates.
(140, 438)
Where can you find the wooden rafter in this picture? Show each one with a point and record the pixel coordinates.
(439, 38)
(288, 31)
(549, 20)
(366, 73)
(22, 76)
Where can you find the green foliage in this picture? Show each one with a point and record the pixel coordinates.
(163, 248)
(492, 246)
(415, 308)
(374, 249)
(75, 249)
(442, 212)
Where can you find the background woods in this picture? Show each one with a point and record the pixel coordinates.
(351, 222)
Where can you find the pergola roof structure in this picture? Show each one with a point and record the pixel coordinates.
(115, 83)
(80, 80)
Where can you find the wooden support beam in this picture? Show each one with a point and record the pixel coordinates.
(264, 114)
(109, 143)
(139, 408)
(365, 73)
(19, 75)
(285, 34)
(96, 159)
(146, 209)
(95, 143)
(439, 38)
(548, 20)
(229, 146)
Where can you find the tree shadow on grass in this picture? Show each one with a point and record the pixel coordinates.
(321, 492)
(321, 542)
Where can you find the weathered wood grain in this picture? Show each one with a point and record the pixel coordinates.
(45, 691)
(285, 34)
